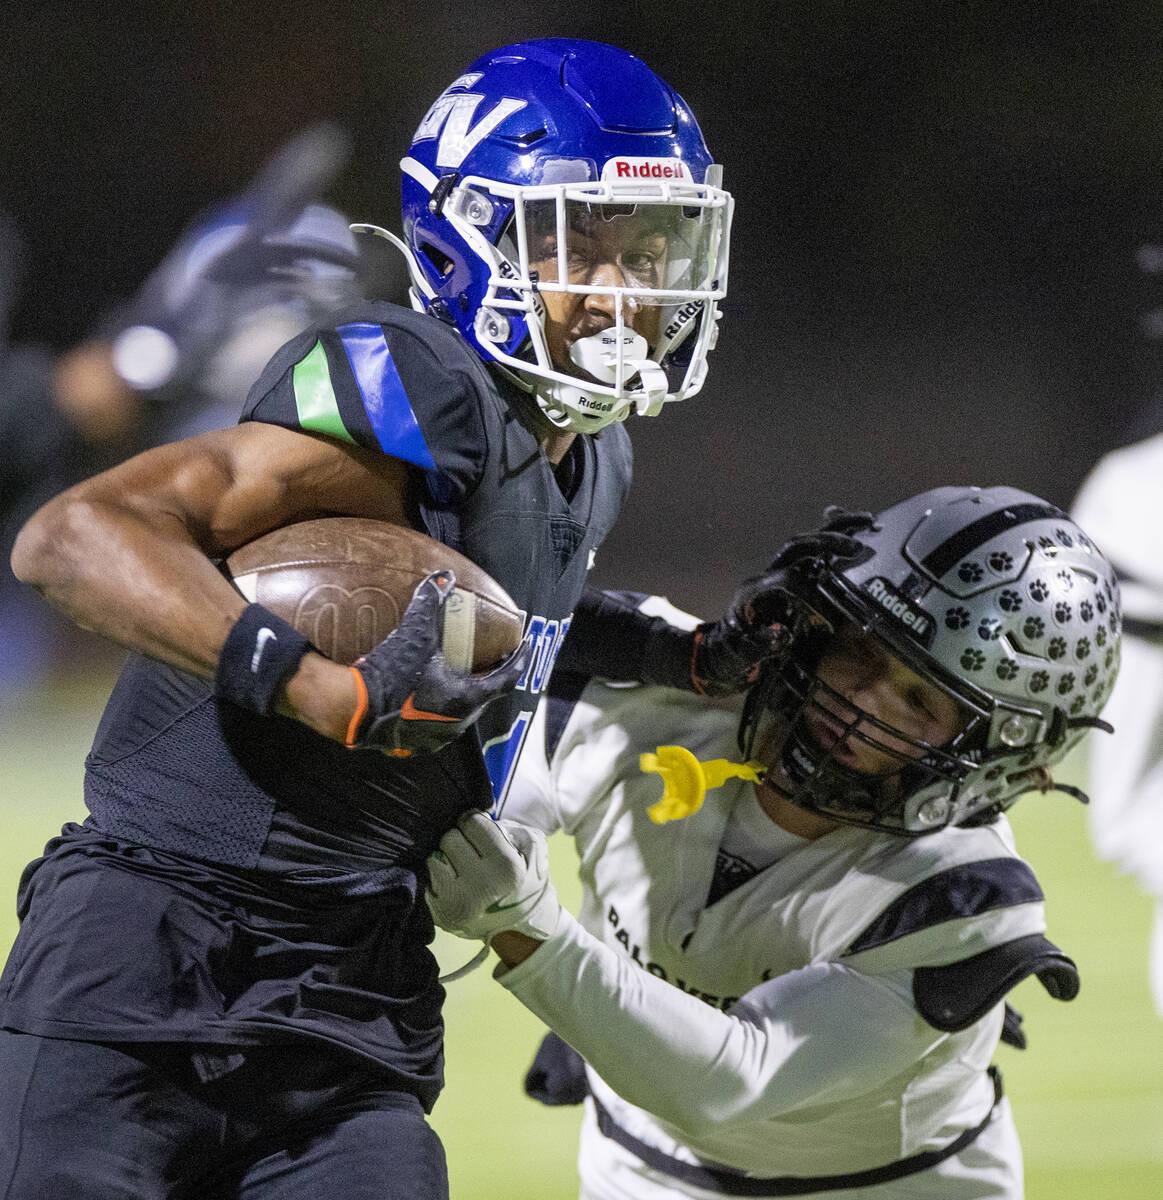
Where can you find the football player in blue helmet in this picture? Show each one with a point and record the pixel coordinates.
(562, 211)
(259, 815)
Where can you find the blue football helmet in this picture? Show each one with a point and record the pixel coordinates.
(565, 168)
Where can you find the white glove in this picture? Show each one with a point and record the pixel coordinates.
(491, 876)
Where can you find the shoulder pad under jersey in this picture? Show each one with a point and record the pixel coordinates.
(386, 379)
(952, 997)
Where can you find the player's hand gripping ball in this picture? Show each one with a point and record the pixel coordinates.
(411, 699)
(431, 637)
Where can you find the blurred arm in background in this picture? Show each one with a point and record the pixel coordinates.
(175, 360)
(1119, 503)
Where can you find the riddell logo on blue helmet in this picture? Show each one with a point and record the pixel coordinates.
(918, 623)
(624, 169)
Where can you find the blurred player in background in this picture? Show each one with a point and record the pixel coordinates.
(175, 360)
(222, 984)
(1118, 502)
(789, 973)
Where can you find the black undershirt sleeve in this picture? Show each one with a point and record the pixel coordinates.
(611, 638)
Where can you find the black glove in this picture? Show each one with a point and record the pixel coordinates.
(766, 614)
(415, 702)
(806, 554)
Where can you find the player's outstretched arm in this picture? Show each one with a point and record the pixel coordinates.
(795, 1041)
(129, 553)
(614, 635)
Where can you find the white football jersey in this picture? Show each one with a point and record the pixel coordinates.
(788, 1041)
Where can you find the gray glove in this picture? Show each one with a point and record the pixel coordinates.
(490, 877)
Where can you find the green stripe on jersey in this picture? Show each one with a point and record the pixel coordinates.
(315, 400)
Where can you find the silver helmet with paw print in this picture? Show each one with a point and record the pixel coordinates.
(1000, 600)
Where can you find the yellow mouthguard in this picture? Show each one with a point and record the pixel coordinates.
(685, 780)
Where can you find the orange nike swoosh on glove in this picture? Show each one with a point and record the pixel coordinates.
(411, 713)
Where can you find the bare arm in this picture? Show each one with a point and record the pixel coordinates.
(513, 948)
(127, 554)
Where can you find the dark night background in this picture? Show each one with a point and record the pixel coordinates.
(933, 273)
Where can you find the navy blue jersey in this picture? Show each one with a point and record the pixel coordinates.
(241, 879)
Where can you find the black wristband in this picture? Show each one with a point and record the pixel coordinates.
(260, 651)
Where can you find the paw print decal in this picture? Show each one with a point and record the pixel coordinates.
(1086, 610)
(1010, 601)
(1062, 612)
(1007, 669)
(1082, 648)
(1064, 537)
(1057, 648)
(1033, 628)
(1066, 684)
(970, 572)
(1039, 591)
(1000, 561)
(1100, 603)
(957, 618)
(1100, 635)
(1065, 580)
(989, 629)
(1091, 675)
(973, 660)
(1076, 705)
(1039, 681)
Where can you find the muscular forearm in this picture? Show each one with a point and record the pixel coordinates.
(144, 583)
(139, 581)
(129, 554)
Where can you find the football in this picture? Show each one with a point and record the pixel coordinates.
(344, 582)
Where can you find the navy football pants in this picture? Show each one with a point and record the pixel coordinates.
(135, 1122)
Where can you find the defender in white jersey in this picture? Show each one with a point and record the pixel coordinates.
(789, 970)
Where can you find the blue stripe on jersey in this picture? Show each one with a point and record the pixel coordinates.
(384, 396)
(961, 891)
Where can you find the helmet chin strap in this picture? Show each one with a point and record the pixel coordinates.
(654, 386)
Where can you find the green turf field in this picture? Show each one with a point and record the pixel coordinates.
(1088, 1094)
